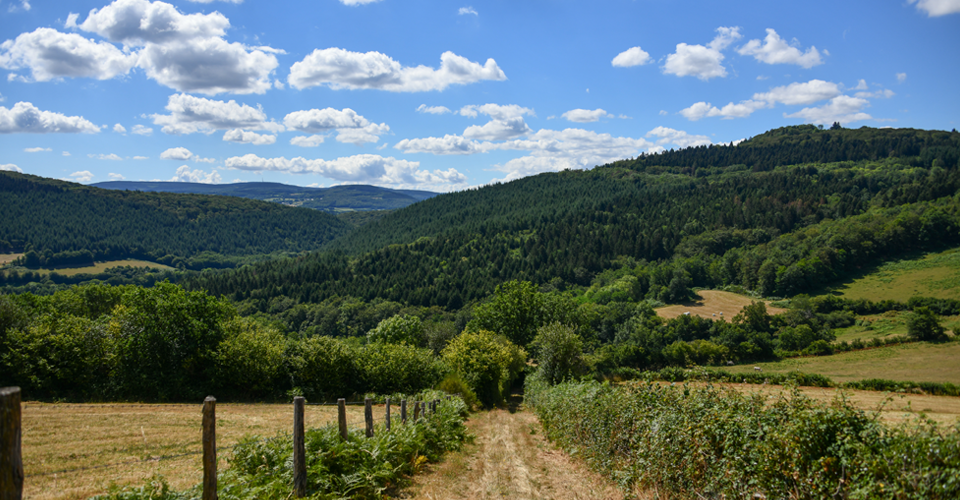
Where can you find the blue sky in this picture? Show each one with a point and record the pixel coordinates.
(443, 96)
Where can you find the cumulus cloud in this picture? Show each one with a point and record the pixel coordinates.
(433, 110)
(324, 120)
(496, 111)
(634, 56)
(793, 94)
(189, 114)
(498, 130)
(359, 136)
(247, 137)
(341, 69)
(446, 145)
(82, 176)
(730, 111)
(36, 150)
(307, 141)
(699, 61)
(10, 167)
(357, 2)
(50, 55)
(141, 130)
(367, 168)
(24, 117)
(115, 177)
(937, 8)
(774, 50)
(666, 136)
(184, 174)
(467, 10)
(101, 156)
(141, 158)
(119, 129)
(879, 94)
(585, 115)
(901, 77)
(843, 109)
(180, 154)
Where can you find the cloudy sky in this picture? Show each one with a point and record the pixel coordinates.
(440, 95)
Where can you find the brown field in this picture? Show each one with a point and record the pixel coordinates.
(714, 303)
(124, 443)
(913, 362)
(100, 267)
(6, 258)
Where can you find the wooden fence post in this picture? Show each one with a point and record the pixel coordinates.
(342, 417)
(387, 417)
(11, 460)
(299, 450)
(403, 411)
(210, 448)
(368, 415)
(416, 411)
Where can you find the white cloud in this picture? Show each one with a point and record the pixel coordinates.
(901, 77)
(307, 141)
(843, 109)
(498, 130)
(369, 169)
(699, 61)
(210, 1)
(663, 112)
(111, 157)
(184, 174)
(36, 150)
(467, 10)
(324, 120)
(138, 22)
(861, 85)
(879, 94)
(246, 137)
(496, 111)
(24, 117)
(800, 93)
(585, 115)
(115, 177)
(433, 110)
(446, 145)
(82, 176)
(730, 111)
(10, 167)
(679, 138)
(119, 129)
(189, 114)
(936, 8)
(773, 50)
(141, 158)
(359, 136)
(357, 2)
(341, 69)
(65, 153)
(634, 56)
(179, 154)
(49, 55)
(141, 130)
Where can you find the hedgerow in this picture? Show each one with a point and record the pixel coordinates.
(707, 441)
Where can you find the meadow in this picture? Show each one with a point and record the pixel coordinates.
(935, 274)
(100, 267)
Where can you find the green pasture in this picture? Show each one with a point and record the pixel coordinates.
(928, 275)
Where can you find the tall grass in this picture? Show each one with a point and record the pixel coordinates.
(695, 442)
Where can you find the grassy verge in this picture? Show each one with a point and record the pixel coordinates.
(702, 441)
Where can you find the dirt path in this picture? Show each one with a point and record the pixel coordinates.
(510, 458)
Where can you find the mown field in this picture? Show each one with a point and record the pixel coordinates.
(6, 258)
(913, 362)
(928, 275)
(123, 444)
(715, 305)
(100, 267)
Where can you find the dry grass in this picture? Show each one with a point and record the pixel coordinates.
(100, 267)
(914, 362)
(714, 303)
(6, 258)
(65, 437)
(510, 459)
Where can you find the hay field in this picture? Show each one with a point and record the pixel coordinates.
(931, 275)
(713, 303)
(100, 267)
(121, 443)
(913, 362)
(6, 258)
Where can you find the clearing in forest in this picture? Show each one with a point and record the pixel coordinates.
(712, 304)
(6, 258)
(931, 275)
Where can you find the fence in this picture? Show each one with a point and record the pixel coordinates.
(11, 461)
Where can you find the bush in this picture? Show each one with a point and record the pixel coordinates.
(487, 362)
(923, 324)
(819, 348)
(250, 360)
(389, 368)
(454, 385)
(559, 352)
(399, 329)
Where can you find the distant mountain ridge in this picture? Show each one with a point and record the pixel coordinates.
(332, 199)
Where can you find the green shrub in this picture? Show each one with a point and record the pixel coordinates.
(923, 324)
(559, 352)
(399, 329)
(454, 385)
(487, 362)
(389, 368)
(819, 348)
(250, 360)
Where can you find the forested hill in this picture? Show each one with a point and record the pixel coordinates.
(672, 226)
(65, 223)
(350, 197)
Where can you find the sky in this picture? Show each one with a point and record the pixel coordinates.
(446, 95)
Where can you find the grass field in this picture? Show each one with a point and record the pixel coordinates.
(913, 362)
(714, 305)
(99, 267)
(6, 258)
(930, 275)
(122, 442)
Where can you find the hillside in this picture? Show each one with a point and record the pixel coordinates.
(779, 230)
(62, 223)
(332, 199)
